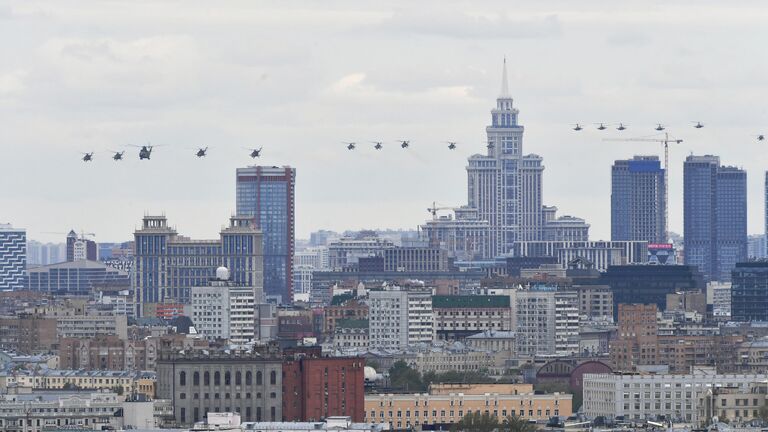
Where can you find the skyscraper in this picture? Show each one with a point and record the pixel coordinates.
(267, 195)
(13, 258)
(504, 185)
(715, 216)
(638, 201)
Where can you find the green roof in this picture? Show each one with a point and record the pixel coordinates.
(470, 301)
(339, 300)
(351, 323)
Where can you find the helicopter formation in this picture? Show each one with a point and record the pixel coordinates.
(404, 144)
(659, 127)
(145, 153)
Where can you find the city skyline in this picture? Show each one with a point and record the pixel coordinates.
(426, 95)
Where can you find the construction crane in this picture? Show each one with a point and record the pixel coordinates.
(665, 142)
(435, 208)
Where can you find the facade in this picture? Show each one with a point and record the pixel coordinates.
(566, 323)
(638, 200)
(343, 309)
(463, 235)
(443, 407)
(351, 335)
(35, 413)
(246, 383)
(347, 252)
(28, 334)
(415, 259)
(535, 321)
(651, 396)
(595, 302)
(45, 253)
(749, 292)
(494, 341)
(13, 258)
(715, 216)
(80, 249)
(320, 387)
(733, 405)
(225, 310)
(636, 342)
(600, 254)
(89, 326)
(168, 265)
(75, 277)
(399, 317)
(336, 424)
(459, 316)
(267, 194)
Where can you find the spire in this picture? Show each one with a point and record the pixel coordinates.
(504, 82)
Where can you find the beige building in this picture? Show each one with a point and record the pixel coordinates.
(126, 382)
(732, 404)
(448, 405)
(90, 326)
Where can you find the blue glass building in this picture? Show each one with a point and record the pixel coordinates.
(715, 216)
(167, 265)
(13, 258)
(267, 195)
(638, 201)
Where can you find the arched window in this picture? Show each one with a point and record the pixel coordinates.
(196, 378)
(207, 378)
(217, 378)
(248, 378)
(182, 378)
(227, 378)
(258, 378)
(238, 378)
(273, 378)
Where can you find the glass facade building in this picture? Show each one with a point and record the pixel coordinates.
(715, 216)
(13, 258)
(75, 278)
(638, 201)
(749, 292)
(267, 195)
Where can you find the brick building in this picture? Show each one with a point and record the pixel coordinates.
(316, 387)
(637, 339)
(342, 309)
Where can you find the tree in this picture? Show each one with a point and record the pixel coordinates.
(476, 422)
(402, 376)
(516, 424)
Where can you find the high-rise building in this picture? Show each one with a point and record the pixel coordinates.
(225, 310)
(399, 317)
(80, 248)
(267, 195)
(749, 292)
(638, 201)
(637, 342)
(505, 186)
(168, 265)
(715, 216)
(13, 258)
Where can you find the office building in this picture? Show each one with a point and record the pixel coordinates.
(749, 292)
(715, 216)
(399, 317)
(638, 200)
(599, 254)
(636, 342)
(266, 194)
(463, 235)
(225, 310)
(75, 277)
(460, 316)
(243, 382)
(168, 265)
(13, 258)
(346, 252)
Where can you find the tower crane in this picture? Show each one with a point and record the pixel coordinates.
(665, 142)
(435, 208)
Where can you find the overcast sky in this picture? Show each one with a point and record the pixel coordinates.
(298, 78)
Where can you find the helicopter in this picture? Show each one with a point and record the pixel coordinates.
(659, 127)
(451, 145)
(760, 137)
(145, 152)
(404, 143)
(201, 152)
(87, 157)
(254, 152)
(698, 125)
(577, 127)
(491, 145)
(118, 156)
(378, 145)
(350, 145)
(601, 127)
(621, 127)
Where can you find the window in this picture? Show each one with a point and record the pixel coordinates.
(207, 378)
(248, 378)
(196, 378)
(182, 378)
(258, 378)
(217, 378)
(238, 378)
(273, 378)
(227, 378)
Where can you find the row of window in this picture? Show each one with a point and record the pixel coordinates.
(227, 378)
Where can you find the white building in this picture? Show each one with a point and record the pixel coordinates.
(348, 251)
(719, 295)
(35, 412)
(316, 257)
(566, 323)
(535, 321)
(302, 279)
(399, 317)
(224, 311)
(650, 396)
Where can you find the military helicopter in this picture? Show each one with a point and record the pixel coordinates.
(577, 127)
(451, 145)
(404, 143)
(698, 125)
(350, 145)
(145, 152)
(760, 137)
(118, 156)
(201, 152)
(621, 127)
(659, 127)
(378, 145)
(87, 157)
(601, 127)
(254, 152)
(490, 145)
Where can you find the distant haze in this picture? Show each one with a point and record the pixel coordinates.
(298, 78)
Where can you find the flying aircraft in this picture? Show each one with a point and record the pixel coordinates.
(350, 145)
(255, 152)
(378, 145)
(404, 143)
(577, 127)
(87, 157)
(621, 127)
(760, 137)
(451, 145)
(201, 152)
(118, 156)
(698, 125)
(601, 127)
(659, 127)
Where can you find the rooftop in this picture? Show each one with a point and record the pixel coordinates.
(470, 301)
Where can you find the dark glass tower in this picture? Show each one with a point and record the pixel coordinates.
(638, 201)
(267, 195)
(715, 216)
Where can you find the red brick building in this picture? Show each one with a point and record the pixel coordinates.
(316, 387)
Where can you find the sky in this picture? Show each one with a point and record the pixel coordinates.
(300, 77)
